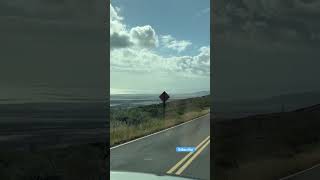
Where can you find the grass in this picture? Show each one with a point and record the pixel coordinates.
(276, 168)
(128, 124)
(82, 162)
(267, 147)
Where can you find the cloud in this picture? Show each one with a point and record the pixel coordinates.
(270, 20)
(144, 60)
(133, 50)
(169, 42)
(266, 47)
(120, 40)
(199, 64)
(203, 11)
(144, 36)
(116, 24)
(119, 36)
(122, 37)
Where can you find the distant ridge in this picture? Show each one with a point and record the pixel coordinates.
(293, 102)
(197, 94)
(130, 100)
(204, 93)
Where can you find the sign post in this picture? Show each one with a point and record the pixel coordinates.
(164, 97)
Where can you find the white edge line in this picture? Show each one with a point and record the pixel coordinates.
(300, 172)
(158, 132)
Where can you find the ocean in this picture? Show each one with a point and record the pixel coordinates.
(132, 100)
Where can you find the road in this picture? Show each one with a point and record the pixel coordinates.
(308, 174)
(157, 153)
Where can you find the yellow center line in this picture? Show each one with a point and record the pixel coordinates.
(192, 158)
(186, 157)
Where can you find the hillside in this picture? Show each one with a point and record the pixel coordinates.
(267, 146)
(283, 102)
(134, 100)
(130, 123)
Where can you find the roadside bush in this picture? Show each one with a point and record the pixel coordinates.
(137, 117)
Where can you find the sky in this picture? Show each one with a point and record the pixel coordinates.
(265, 48)
(52, 47)
(159, 45)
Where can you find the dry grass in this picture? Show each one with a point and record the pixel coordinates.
(267, 147)
(275, 168)
(124, 132)
(82, 162)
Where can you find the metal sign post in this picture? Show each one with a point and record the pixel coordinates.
(164, 97)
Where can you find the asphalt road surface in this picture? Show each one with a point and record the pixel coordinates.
(309, 174)
(157, 153)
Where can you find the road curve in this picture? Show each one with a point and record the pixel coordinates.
(157, 153)
(312, 173)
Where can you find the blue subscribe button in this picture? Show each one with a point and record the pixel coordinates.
(185, 149)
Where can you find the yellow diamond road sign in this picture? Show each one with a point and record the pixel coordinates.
(164, 96)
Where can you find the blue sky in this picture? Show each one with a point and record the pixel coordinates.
(168, 40)
(183, 19)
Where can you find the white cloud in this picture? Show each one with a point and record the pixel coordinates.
(199, 64)
(169, 42)
(133, 51)
(122, 37)
(144, 60)
(119, 36)
(144, 36)
(115, 20)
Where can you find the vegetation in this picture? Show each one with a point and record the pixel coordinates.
(269, 146)
(90, 161)
(130, 123)
(82, 162)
